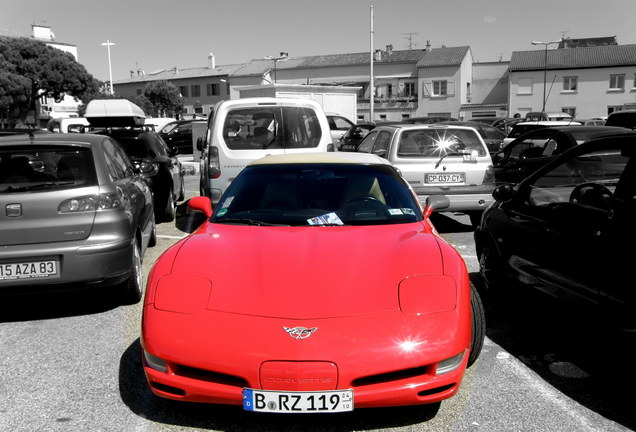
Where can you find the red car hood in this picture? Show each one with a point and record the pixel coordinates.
(306, 272)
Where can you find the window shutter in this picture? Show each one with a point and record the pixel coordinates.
(450, 88)
(427, 89)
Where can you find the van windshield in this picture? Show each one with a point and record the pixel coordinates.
(271, 127)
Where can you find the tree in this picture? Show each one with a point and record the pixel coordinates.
(165, 98)
(30, 69)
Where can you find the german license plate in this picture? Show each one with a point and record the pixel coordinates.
(444, 178)
(28, 270)
(297, 402)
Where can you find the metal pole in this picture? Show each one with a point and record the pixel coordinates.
(545, 72)
(107, 44)
(371, 84)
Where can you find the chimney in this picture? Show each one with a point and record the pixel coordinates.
(211, 61)
(428, 45)
(378, 55)
(389, 50)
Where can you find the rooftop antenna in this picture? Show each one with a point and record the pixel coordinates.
(409, 37)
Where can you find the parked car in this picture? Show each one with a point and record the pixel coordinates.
(21, 131)
(427, 119)
(76, 215)
(547, 116)
(178, 134)
(243, 130)
(352, 138)
(591, 122)
(525, 127)
(534, 149)
(506, 125)
(124, 122)
(396, 323)
(438, 159)
(492, 136)
(564, 230)
(338, 125)
(624, 118)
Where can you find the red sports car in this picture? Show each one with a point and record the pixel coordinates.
(318, 284)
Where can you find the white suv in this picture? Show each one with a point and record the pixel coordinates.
(439, 160)
(243, 130)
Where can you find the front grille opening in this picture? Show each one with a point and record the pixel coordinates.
(390, 376)
(168, 389)
(210, 376)
(436, 390)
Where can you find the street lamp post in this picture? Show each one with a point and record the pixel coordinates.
(108, 44)
(545, 66)
(283, 56)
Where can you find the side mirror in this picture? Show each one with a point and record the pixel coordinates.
(200, 204)
(435, 203)
(197, 211)
(503, 192)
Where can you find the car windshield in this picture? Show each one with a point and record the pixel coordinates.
(434, 142)
(31, 168)
(271, 127)
(136, 145)
(318, 194)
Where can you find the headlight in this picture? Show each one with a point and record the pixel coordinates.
(155, 362)
(450, 364)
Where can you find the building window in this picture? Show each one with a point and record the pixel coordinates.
(409, 89)
(406, 116)
(389, 90)
(196, 90)
(382, 116)
(440, 88)
(612, 108)
(184, 91)
(570, 84)
(617, 82)
(212, 89)
(525, 86)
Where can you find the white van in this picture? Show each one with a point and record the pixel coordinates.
(243, 130)
(67, 124)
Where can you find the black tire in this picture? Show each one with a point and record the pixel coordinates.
(152, 241)
(478, 326)
(181, 191)
(132, 287)
(170, 208)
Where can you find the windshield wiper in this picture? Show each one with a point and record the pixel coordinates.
(246, 221)
(444, 155)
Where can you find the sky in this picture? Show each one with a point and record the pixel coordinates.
(150, 35)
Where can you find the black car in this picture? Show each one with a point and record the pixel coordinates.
(124, 121)
(492, 136)
(178, 134)
(530, 151)
(152, 157)
(355, 134)
(566, 228)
